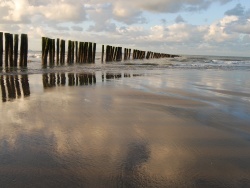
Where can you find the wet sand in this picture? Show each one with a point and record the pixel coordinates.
(159, 128)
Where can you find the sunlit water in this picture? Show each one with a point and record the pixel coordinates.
(181, 122)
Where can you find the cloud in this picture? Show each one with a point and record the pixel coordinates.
(238, 10)
(77, 28)
(179, 19)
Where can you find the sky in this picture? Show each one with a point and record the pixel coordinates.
(193, 27)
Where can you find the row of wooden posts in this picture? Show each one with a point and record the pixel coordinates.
(11, 44)
(115, 54)
(54, 50)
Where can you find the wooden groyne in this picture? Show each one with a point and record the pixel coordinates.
(10, 43)
(115, 54)
(14, 87)
(112, 53)
(78, 52)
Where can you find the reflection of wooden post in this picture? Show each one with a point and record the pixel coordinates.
(15, 50)
(3, 89)
(25, 85)
(17, 86)
(1, 49)
(102, 52)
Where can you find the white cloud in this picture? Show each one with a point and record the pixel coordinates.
(128, 23)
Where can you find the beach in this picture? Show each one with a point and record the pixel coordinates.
(152, 123)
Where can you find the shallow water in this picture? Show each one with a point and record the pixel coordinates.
(125, 125)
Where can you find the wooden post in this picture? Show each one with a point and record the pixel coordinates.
(45, 55)
(129, 53)
(24, 50)
(69, 52)
(72, 51)
(11, 50)
(15, 49)
(50, 52)
(53, 51)
(86, 46)
(6, 49)
(57, 50)
(94, 52)
(125, 54)
(107, 51)
(80, 53)
(102, 52)
(90, 56)
(76, 47)
(1, 49)
(62, 52)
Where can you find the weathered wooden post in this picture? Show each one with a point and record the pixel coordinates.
(62, 52)
(69, 52)
(113, 58)
(50, 51)
(72, 51)
(80, 53)
(129, 53)
(94, 52)
(57, 50)
(45, 52)
(86, 46)
(107, 52)
(76, 47)
(1, 49)
(53, 51)
(6, 49)
(102, 52)
(90, 56)
(24, 50)
(11, 50)
(16, 38)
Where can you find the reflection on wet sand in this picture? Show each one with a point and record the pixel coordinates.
(14, 86)
(113, 135)
(71, 79)
(113, 76)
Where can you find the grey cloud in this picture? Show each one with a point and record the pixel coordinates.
(179, 19)
(106, 26)
(163, 21)
(238, 10)
(77, 28)
(170, 6)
